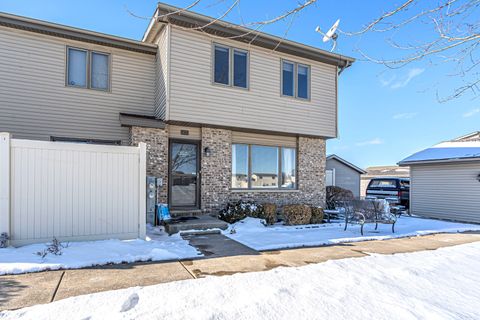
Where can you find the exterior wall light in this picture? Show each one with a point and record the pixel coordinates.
(478, 178)
(207, 151)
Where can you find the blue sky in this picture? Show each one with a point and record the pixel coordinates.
(384, 115)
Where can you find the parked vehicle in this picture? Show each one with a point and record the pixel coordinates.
(395, 190)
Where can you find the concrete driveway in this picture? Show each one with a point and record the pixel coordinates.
(18, 291)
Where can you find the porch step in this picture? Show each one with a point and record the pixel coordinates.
(187, 213)
(194, 223)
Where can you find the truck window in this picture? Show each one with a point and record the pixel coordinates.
(383, 184)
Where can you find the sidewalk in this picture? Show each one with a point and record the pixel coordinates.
(18, 291)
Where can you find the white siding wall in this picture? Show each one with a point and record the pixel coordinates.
(76, 192)
(446, 191)
(193, 97)
(36, 104)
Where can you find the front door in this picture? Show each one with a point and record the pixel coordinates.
(184, 174)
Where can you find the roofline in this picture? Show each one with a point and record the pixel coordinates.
(466, 136)
(409, 163)
(138, 120)
(188, 18)
(345, 162)
(62, 31)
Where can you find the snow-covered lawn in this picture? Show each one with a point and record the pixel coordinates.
(440, 284)
(158, 246)
(252, 233)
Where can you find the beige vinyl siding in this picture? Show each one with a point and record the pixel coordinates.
(36, 104)
(193, 98)
(161, 88)
(263, 139)
(446, 191)
(345, 176)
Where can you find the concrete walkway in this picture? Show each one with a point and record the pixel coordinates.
(17, 291)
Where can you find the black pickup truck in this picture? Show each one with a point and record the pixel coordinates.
(395, 190)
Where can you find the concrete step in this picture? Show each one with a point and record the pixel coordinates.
(187, 213)
(194, 223)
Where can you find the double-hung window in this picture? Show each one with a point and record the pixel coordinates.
(263, 167)
(230, 66)
(88, 69)
(295, 80)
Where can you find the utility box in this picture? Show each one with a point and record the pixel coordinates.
(151, 199)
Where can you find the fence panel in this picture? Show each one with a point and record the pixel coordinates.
(75, 191)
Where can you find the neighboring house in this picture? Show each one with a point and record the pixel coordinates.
(227, 114)
(343, 174)
(382, 172)
(445, 180)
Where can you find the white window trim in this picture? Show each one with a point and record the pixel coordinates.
(231, 70)
(88, 82)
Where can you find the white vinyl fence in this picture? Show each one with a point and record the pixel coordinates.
(71, 191)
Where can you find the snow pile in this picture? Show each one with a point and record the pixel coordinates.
(446, 151)
(440, 284)
(252, 233)
(158, 246)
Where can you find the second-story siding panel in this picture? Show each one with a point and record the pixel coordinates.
(193, 97)
(161, 88)
(36, 104)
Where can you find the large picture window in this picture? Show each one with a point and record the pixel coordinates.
(263, 167)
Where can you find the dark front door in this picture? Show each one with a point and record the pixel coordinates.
(184, 174)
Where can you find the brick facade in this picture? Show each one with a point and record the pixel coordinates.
(216, 169)
(157, 154)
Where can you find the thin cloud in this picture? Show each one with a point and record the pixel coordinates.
(471, 113)
(412, 73)
(369, 142)
(387, 82)
(407, 115)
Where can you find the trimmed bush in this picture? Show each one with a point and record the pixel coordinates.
(317, 215)
(335, 194)
(270, 213)
(297, 214)
(237, 211)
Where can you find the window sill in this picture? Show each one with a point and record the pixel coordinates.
(265, 190)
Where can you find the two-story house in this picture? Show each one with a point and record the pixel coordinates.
(227, 113)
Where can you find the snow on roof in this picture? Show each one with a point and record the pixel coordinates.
(446, 151)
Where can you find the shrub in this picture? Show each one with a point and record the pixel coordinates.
(236, 211)
(55, 248)
(270, 213)
(297, 214)
(335, 194)
(4, 239)
(317, 215)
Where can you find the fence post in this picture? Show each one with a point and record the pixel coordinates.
(142, 203)
(5, 183)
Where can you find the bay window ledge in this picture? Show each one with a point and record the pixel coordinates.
(265, 190)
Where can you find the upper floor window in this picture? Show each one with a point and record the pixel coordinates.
(295, 80)
(230, 66)
(88, 69)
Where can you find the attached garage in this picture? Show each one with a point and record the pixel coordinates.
(445, 181)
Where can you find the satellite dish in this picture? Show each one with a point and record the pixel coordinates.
(330, 34)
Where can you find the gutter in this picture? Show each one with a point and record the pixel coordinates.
(409, 163)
